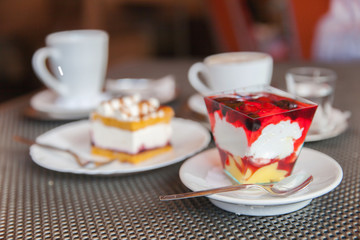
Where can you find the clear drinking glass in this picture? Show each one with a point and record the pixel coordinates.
(317, 85)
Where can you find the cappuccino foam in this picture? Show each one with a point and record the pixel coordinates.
(234, 58)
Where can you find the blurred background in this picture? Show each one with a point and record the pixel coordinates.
(146, 29)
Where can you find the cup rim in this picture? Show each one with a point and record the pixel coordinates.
(253, 53)
(75, 35)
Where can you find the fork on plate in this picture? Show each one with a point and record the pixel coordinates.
(79, 160)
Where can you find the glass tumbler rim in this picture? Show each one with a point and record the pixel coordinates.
(307, 74)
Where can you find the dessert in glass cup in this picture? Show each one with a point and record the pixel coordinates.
(259, 131)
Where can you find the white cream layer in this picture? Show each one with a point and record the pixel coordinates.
(275, 141)
(230, 138)
(131, 142)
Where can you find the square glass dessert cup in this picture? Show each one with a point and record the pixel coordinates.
(259, 131)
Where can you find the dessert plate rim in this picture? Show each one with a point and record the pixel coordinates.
(326, 178)
(75, 135)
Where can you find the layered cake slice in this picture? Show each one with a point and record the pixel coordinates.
(130, 129)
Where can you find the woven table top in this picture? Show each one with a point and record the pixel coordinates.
(36, 203)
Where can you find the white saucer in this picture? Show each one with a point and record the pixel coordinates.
(197, 104)
(46, 101)
(164, 89)
(204, 171)
(338, 119)
(188, 138)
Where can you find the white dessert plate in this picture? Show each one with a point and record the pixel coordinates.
(339, 121)
(164, 89)
(197, 104)
(46, 101)
(204, 171)
(188, 138)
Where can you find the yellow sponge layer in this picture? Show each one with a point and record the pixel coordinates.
(266, 174)
(131, 158)
(133, 126)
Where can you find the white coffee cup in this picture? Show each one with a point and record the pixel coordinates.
(78, 64)
(231, 70)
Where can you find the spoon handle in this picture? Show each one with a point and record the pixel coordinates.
(203, 192)
(32, 142)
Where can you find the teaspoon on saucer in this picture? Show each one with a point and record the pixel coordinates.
(79, 160)
(287, 186)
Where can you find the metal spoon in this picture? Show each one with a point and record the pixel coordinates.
(79, 160)
(287, 186)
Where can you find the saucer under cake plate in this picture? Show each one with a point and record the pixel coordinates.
(196, 103)
(188, 138)
(46, 102)
(163, 89)
(339, 121)
(204, 171)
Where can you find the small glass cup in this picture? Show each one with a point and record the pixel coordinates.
(259, 131)
(317, 85)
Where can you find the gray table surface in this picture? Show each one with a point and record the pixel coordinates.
(36, 203)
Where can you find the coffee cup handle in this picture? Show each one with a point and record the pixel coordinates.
(41, 70)
(194, 79)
